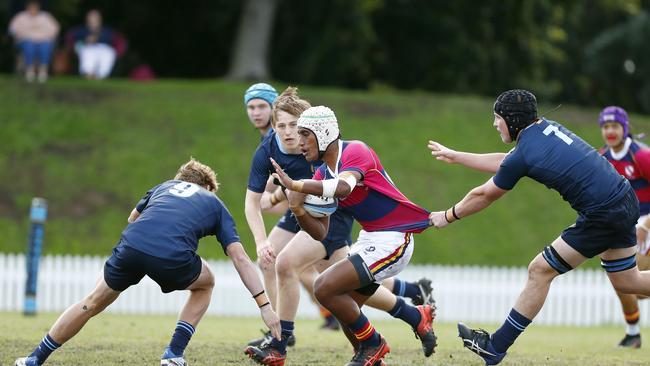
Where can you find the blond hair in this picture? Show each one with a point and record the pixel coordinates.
(195, 172)
(289, 102)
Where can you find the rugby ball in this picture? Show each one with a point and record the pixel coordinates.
(319, 206)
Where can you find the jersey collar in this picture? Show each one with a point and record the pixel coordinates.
(335, 173)
(621, 154)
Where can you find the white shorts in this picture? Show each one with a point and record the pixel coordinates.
(643, 248)
(385, 253)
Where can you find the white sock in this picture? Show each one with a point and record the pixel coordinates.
(633, 329)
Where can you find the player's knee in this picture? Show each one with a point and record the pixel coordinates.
(548, 264)
(284, 265)
(540, 270)
(323, 289)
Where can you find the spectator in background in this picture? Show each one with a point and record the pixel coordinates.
(34, 32)
(94, 46)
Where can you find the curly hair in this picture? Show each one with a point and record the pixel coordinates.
(195, 172)
(289, 102)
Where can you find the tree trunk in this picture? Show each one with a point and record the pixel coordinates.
(250, 55)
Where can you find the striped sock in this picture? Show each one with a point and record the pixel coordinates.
(364, 331)
(407, 313)
(44, 349)
(632, 320)
(182, 335)
(405, 289)
(505, 336)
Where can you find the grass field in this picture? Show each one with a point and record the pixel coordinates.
(92, 149)
(139, 340)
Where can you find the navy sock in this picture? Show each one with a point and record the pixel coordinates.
(406, 289)
(505, 336)
(44, 349)
(287, 331)
(181, 337)
(364, 331)
(407, 313)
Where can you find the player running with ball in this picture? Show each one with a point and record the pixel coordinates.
(353, 173)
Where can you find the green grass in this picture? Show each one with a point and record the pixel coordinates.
(138, 340)
(92, 149)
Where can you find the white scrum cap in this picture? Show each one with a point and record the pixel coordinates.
(322, 122)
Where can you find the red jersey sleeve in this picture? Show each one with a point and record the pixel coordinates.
(320, 173)
(642, 158)
(358, 157)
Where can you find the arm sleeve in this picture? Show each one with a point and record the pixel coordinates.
(357, 157)
(144, 201)
(260, 170)
(320, 173)
(226, 230)
(511, 170)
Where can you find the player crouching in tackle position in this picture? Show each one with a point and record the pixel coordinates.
(161, 242)
(353, 173)
(551, 154)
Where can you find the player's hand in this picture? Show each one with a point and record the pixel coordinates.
(438, 219)
(272, 321)
(265, 254)
(441, 152)
(296, 199)
(280, 175)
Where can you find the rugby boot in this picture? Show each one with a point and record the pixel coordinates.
(631, 341)
(479, 342)
(26, 361)
(291, 341)
(170, 359)
(370, 356)
(266, 354)
(425, 297)
(424, 330)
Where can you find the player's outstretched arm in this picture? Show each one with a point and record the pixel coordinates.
(248, 274)
(488, 163)
(255, 221)
(337, 187)
(476, 200)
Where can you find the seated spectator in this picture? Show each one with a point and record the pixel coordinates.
(35, 32)
(94, 44)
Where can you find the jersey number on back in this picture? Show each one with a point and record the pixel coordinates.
(558, 133)
(184, 189)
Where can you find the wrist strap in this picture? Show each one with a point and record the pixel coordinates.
(453, 212)
(263, 305)
(446, 219)
(258, 294)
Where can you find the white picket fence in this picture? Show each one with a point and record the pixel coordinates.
(471, 294)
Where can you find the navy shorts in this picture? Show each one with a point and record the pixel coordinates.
(340, 232)
(288, 222)
(127, 266)
(612, 227)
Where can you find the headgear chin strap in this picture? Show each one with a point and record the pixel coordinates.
(518, 108)
(322, 122)
(615, 114)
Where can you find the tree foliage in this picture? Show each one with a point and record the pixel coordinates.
(586, 51)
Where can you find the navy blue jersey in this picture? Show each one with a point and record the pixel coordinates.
(551, 154)
(173, 217)
(294, 165)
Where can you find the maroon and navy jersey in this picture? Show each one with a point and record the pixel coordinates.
(633, 162)
(375, 202)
